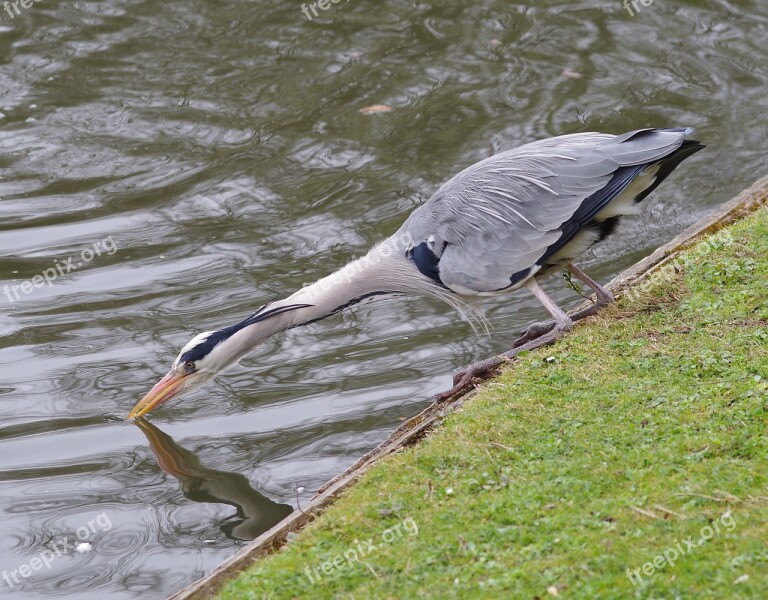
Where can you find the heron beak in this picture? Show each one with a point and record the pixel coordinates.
(164, 390)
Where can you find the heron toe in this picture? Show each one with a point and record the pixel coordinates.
(533, 331)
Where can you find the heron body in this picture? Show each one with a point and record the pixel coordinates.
(499, 225)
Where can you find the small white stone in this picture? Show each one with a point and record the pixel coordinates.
(449, 491)
(551, 359)
(83, 547)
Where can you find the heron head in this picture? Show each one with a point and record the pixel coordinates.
(204, 356)
(211, 351)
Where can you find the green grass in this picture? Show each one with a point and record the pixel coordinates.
(539, 485)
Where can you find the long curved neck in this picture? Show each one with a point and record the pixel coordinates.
(378, 272)
(385, 269)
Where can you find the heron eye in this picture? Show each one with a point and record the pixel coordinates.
(189, 366)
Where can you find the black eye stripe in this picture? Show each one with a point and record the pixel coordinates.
(205, 347)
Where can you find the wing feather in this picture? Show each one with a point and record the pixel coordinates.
(499, 217)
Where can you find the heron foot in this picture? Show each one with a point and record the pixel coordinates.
(533, 331)
(536, 330)
(485, 369)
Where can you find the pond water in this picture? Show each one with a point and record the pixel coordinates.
(173, 165)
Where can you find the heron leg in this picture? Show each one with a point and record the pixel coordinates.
(562, 320)
(561, 324)
(602, 295)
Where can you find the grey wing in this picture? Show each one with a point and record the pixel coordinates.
(492, 222)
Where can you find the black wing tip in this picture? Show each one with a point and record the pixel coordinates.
(691, 146)
(689, 143)
(686, 131)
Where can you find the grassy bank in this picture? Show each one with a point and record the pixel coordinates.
(639, 437)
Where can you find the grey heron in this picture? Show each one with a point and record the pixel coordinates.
(499, 225)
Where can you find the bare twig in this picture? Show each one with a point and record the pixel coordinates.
(502, 446)
(670, 512)
(298, 489)
(647, 513)
(370, 568)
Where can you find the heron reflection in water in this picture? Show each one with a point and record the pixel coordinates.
(255, 512)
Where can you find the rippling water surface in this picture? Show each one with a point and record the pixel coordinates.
(215, 156)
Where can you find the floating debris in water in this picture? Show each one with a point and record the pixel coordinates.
(376, 108)
(83, 547)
